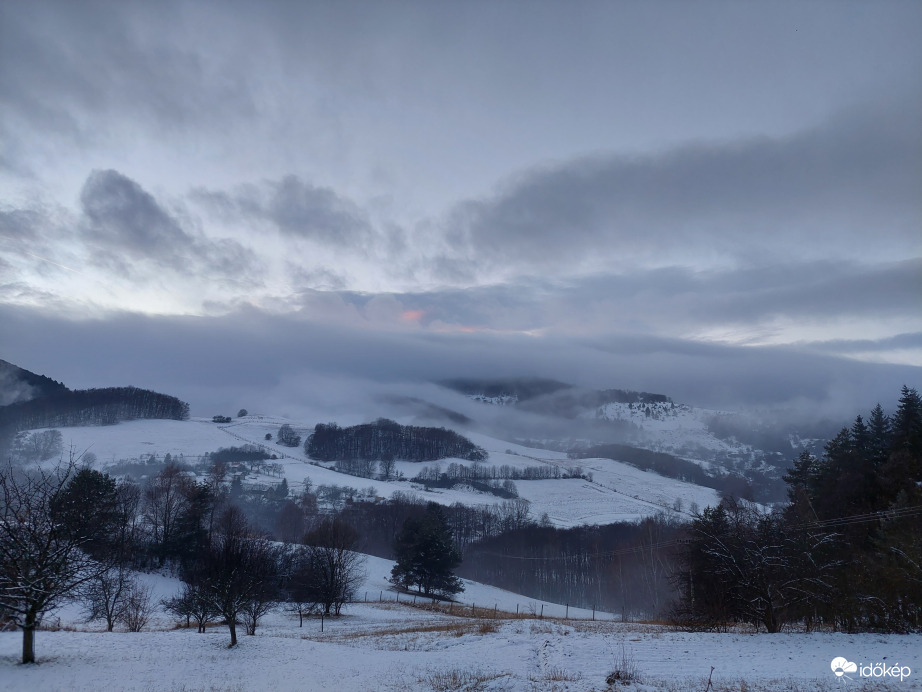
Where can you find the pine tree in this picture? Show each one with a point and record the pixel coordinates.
(879, 433)
(426, 554)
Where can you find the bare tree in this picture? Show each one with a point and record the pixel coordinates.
(299, 584)
(236, 569)
(41, 558)
(165, 500)
(335, 569)
(192, 603)
(138, 606)
(388, 466)
(104, 596)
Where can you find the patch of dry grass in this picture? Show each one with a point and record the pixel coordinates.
(410, 637)
(461, 679)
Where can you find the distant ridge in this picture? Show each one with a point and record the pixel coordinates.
(92, 407)
(18, 384)
(28, 401)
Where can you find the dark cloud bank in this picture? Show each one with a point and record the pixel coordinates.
(285, 364)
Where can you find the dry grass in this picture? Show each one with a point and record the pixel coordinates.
(560, 675)
(465, 611)
(410, 637)
(459, 679)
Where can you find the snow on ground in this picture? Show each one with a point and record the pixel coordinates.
(617, 491)
(132, 439)
(399, 647)
(678, 429)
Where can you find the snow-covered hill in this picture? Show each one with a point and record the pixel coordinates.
(610, 491)
(678, 429)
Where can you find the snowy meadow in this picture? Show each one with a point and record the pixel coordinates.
(417, 647)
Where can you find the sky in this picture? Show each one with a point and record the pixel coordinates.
(719, 201)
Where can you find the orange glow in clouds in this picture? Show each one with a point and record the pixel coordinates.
(412, 315)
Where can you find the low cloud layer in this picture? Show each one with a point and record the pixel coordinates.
(287, 364)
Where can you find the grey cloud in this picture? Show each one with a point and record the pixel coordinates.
(20, 227)
(899, 341)
(676, 298)
(123, 222)
(818, 290)
(66, 66)
(40, 236)
(123, 215)
(850, 179)
(295, 208)
(214, 362)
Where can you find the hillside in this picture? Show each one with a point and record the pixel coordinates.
(18, 384)
(390, 646)
(611, 492)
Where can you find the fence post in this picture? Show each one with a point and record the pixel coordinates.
(542, 610)
(567, 613)
(494, 610)
(593, 613)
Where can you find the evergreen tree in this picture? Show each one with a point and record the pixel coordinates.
(879, 434)
(426, 554)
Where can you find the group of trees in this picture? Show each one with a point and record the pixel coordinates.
(379, 523)
(623, 567)
(287, 436)
(845, 552)
(92, 407)
(40, 445)
(387, 440)
(73, 532)
(487, 472)
(63, 531)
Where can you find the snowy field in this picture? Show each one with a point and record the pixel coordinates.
(617, 492)
(406, 648)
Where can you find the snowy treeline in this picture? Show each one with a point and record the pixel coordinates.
(484, 472)
(387, 440)
(92, 407)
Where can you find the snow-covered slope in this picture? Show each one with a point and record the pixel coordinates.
(678, 429)
(390, 646)
(611, 491)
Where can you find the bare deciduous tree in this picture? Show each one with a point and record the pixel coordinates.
(138, 606)
(236, 570)
(41, 558)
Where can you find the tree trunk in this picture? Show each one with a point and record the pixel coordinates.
(232, 626)
(28, 640)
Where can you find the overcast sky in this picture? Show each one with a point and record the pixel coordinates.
(721, 201)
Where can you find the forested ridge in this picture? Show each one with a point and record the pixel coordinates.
(18, 384)
(92, 407)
